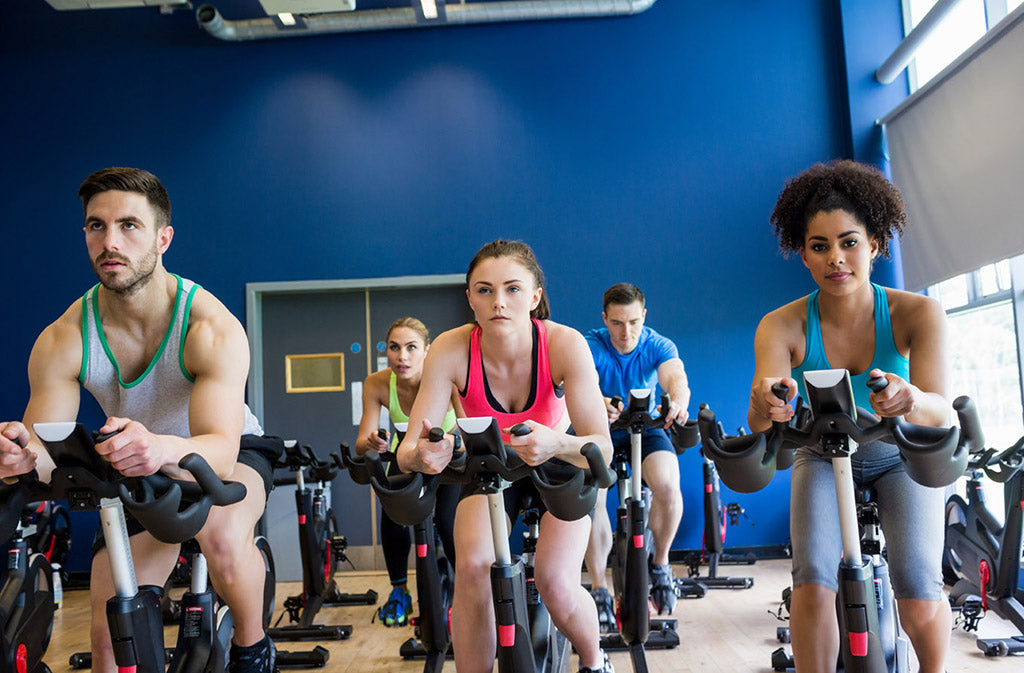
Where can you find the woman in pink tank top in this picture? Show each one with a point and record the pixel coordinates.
(512, 364)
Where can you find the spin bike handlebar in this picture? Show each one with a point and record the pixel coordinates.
(636, 418)
(999, 466)
(297, 457)
(486, 463)
(172, 510)
(933, 456)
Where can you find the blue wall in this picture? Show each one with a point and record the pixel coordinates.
(646, 148)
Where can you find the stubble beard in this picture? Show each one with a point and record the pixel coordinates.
(141, 274)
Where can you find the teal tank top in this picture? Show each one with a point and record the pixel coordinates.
(886, 357)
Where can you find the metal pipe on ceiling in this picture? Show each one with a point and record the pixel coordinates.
(904, 52)
(364, 20)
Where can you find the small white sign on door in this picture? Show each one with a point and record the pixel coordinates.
(357, 402)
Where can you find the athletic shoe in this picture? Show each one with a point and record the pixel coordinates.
(397, 609)
(606, 666)
(258, 658)
(605, 610)
(663, 591)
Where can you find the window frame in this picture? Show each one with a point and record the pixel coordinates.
(995, 11)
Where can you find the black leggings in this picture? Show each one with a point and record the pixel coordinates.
(396, 540)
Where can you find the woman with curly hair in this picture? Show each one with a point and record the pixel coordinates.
(840, 217)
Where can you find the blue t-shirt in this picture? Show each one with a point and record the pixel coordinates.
(618, 373)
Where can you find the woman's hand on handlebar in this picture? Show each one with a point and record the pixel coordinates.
(15, 459)
(375, 442)
(427, 457)
(538, 445)
(766, 404)
(897, 398)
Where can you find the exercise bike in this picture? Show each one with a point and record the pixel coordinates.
(632, 547)
(320, 548)
(717, 518)
(934, 457)
(26, 599)
(434, 573)
(527, 641)
(984, 555)
(173, 511)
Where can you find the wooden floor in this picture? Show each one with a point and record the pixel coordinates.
(727, 631)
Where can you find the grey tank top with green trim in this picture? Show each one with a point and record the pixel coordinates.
(159, 398)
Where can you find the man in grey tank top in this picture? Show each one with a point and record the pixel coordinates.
(168, 363)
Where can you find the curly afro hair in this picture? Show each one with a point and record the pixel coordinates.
(860, 190)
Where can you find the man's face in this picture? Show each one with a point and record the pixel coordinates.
(123, 240)
(624, 322)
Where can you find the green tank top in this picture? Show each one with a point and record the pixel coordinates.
(399, 416)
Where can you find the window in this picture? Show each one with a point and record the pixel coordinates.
(984, 346)
(961, 28)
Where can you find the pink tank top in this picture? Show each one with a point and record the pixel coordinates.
(546, 404)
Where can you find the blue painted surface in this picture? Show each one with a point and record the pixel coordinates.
(647, 148)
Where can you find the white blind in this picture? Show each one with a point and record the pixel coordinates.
(957, 153)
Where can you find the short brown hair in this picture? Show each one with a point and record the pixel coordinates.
(123, 179)
(623, 294)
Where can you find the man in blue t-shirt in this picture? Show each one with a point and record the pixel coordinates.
(629, 355)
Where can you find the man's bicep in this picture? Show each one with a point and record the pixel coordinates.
(219, 354)
(216, 407)
(53, 370)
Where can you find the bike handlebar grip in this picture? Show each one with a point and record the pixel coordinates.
(100, 438)
(878, 384)
(519, 430)
(435, 435)
(356, 465)
(665, 402)
(616, 402)
(781, 391)
(382, 433)
(971, 434)
(599, 471)
(221, 492)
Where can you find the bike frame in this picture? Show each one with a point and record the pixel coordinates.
(987, 554)
(26, 608)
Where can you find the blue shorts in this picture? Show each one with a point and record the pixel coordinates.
(652, 439)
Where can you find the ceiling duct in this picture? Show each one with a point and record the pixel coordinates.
(454, 14)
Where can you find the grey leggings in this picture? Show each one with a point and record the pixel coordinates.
(912, 518)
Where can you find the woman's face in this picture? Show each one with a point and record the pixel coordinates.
(838, 252)
(406, 351)
(502, 292)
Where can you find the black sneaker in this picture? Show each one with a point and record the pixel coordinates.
(605, 610)
(606, 666)
(663, 591)
(258, 658)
